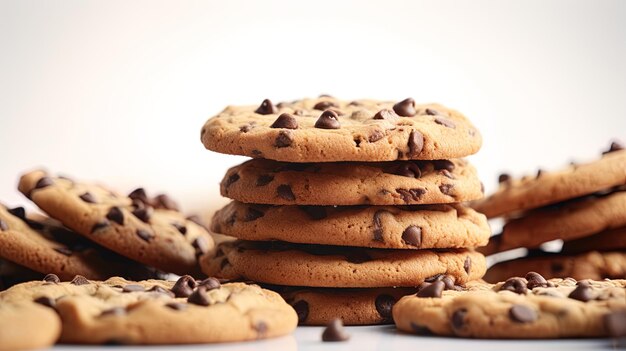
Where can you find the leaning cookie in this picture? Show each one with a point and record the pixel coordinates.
(400, 227)
(338, 267)
(525, 308)
(552, 187)
(567, 221)
(264, 181)
(328, 129)
(590, 265)
(159, 312)
(27, 325)
(152, 232)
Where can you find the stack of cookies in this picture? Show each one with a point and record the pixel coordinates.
(347, 205)
(584, 205)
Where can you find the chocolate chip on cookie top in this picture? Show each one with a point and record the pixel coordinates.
(327, 129)
(150, 231)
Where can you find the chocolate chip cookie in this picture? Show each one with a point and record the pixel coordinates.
(338, 267)
(26, 326)
(524, 308)
(158, 312)
(552, 187)
(150, 231)
(399, 227)
(264, 181)
(589, 265)
(327, 129)
(609, 240)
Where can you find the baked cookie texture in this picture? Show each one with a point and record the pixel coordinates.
(547, 188)
(398, 227)
(609, 240)
(524, 308)
(27, 326)
(339, 267)
(327, 130)
(264, 181)
(157, 312)
(588, 265)
(150, 231)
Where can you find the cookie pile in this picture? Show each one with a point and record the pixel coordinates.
(584, 205)
(347, 205)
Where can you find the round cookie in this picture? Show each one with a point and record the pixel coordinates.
(159, 312)
(552, 187)
(338, 267)
(589, 265)
(26, 326)
(152, 232)
(327, 130)
(264, 181)
(569, 220)
(319, 306)
(610, 240)
(45, 246)
(515, 309)
(400, 227)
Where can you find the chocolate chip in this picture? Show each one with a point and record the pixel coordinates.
(445, 122)
(615, 146)
(132, 288)
(323, 105)
(264, 179)
(252, 214)
(443, 164)
(266, 108)
(3, 225)
(376, 135)
(43, 182)
(165, 202)
(384, 305)
(199, 297)
(245, 128)
(299, 112)
(516, 285)
(210, 283)
(432, 290)
(522, 314)
(115, 311)
(504, 178)
(378, 225)
(431, 111)
(63, 251)
(458, 319)
(176, 306)
(409, 169)
(448, 282)
(582, 292)
(18, 212)
(284, 139)
(535, 280)
(144, 214)
(144, 234)
(286, 121)
(46, 301)
(161, 290)
(116, 215)
(467, 265)
(261, 329)
(201, 245)
(409, 195)
(284, 192)
(231, 180)
(615, 323)
(302, 310)
(328, 120)
(180, 227)
(405, 108)
(385, 114)
(51, 278)
(79, 280)
(334, 332)
(449, 175)
(184, 286)
(99, 225)
(412, 235)
(446, 188)
(539, 173)
(140, 195)
(416, 144)
(88, 197)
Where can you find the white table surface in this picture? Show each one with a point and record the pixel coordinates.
(377, 338)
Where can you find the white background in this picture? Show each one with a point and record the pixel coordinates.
(117, 91)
